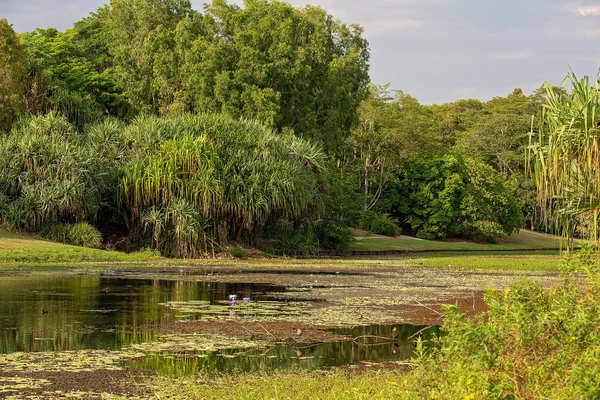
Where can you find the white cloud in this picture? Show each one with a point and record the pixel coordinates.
(590, 10)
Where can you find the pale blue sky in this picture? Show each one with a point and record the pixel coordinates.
(436, 50)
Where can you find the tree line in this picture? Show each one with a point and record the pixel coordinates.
(150, 124)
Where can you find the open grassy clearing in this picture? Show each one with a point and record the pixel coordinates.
(482, 262)
(21, 254)
(525, 239)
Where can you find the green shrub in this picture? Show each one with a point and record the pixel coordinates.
(84, 234)
(383, 226)
(237, 253)
(365, 219)
(79, 234)
(269, 250)
(533, 343)
(290, 240)
(481, 231)
(55, 232)
(436, 193)
(14, 216)
(333, 235)
(4, 203)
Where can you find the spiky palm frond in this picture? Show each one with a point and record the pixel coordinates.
(564, 157)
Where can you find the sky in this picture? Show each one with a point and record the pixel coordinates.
(435, 50)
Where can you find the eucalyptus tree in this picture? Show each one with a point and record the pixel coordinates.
(499, 133)
(392, 125)
(563, 158)
(13, 70)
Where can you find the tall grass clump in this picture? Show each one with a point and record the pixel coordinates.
(79, 234)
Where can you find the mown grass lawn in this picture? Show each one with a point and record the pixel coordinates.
(524, 240)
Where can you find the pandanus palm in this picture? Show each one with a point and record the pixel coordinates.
(235, 174)
(155, 219)
(564, 157)
(45, 169)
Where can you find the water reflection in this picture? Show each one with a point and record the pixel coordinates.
(373, 344)
(60, 314)
(57, 314)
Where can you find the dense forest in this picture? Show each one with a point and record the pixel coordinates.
(151, 125)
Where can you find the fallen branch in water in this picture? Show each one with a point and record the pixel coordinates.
(429, 308)
(265, 329)
(372, 337)
(414, 335)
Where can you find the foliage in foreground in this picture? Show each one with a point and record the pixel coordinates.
(533, 343)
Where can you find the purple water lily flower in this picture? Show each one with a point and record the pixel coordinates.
(246, 300)
(233, 302)
(232, 297)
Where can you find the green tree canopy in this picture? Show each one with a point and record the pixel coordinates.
(69, 73)
(13, 70)
(293, 69)
(141, 38)
(443, 195)
(498, 132)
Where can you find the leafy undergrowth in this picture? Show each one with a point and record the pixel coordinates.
(533, 343)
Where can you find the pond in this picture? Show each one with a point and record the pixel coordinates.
(57, 314)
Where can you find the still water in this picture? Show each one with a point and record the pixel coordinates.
(111, 312)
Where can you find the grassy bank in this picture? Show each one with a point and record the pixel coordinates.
(24, 251)
(31, 249)
(335, 384)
